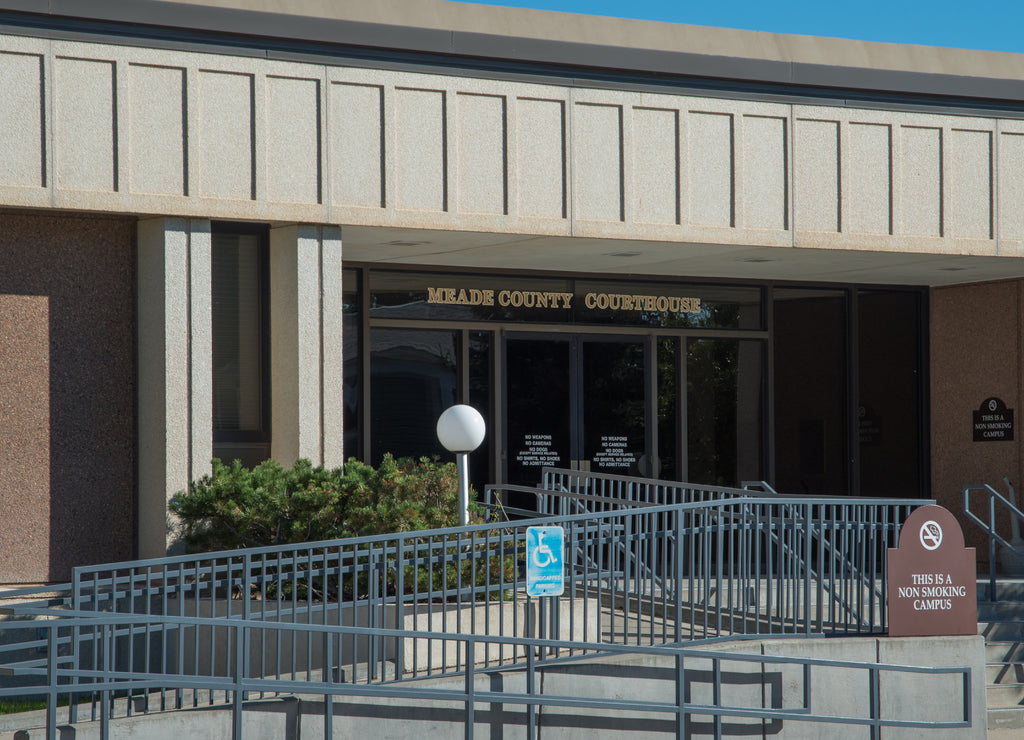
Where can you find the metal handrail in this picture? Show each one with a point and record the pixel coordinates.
(993, 497)
(636, 574)
(762, 487)
(555, 479)
(64, 678)
(648, 490)
(115, 587)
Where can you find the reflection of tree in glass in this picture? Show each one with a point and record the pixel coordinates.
(711, 379)
(614, 396)
(668, 348)
(711, 316)
(627, 370)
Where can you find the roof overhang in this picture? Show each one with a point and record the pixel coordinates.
(615, 257)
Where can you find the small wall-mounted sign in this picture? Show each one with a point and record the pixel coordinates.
(614, 453)
(870, 427)
(993, 422)
(536, 452)
(932, 586)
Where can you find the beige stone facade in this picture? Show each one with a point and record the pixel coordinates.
(434, 135)
(99, 127)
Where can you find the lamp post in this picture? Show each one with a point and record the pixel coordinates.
(461, 429)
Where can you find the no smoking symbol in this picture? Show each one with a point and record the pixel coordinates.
(931, 535)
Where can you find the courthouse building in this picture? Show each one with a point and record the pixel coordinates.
(252, 229)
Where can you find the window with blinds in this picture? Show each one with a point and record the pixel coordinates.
(240, 398)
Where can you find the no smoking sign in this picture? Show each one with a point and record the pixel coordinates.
(930, 535)
(931, 586)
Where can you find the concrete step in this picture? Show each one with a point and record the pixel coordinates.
(1004, 697)
(1005, 651)
(1000, 611)
(1006, 719)
(1007, 589)
(1002, 631)
(1001, 621)
(1004, 673)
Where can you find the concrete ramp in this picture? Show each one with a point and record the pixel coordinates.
(576, 690)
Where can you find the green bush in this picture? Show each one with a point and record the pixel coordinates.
(400, 496)
(237, 507)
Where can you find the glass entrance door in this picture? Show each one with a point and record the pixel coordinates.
(613, 405)
(575, 401)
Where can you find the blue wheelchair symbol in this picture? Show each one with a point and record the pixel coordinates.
(544, 572)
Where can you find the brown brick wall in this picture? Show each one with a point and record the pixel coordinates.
(975, 354)
(67, 393)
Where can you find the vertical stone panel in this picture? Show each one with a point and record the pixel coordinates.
(22, 156)
(971, 186)
(482, 185)
(332, 342)
(597, 162)
(921, 205)
(421, 149)
(84, 123)
(765, 173)
(1011, 185)
(226, 157)
(200, 307)
(817, 177)
(156, 130)
(656, 166)
(293, 140)
(712, 169)
(24, 436)
(67, 394)
(286, 339)
(307, 367)
(356, 125)
(540, 161)
(175, 369)
(869, 170)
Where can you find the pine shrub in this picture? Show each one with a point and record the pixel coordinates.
(235, 507)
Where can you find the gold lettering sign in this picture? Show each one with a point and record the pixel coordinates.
(461, 297)
(549, 299)
(630, 302)
(534, 299)
(514, 298)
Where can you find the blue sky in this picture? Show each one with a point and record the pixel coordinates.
(996, 24)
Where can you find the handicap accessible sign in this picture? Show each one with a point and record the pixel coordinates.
(544, 566)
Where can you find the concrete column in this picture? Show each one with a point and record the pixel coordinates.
(333, 359)
(306, 346)
(174, 370)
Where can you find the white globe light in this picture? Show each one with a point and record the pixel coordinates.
(461, 428)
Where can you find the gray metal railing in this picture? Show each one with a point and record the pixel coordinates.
(618, 489)
(235, 682)
(577, 491)
(736, 566)
(994, 499)
(638, 574)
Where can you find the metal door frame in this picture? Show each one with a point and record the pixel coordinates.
(576, 340)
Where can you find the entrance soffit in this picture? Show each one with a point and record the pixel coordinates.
(471, 250)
